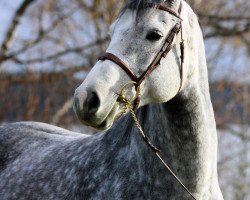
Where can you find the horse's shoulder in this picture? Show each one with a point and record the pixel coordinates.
(31, 129)
(30, 132)
(16, 137)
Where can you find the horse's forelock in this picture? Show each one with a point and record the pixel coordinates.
(139, 5)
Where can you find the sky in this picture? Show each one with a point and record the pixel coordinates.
(7, 9)
(228, 65)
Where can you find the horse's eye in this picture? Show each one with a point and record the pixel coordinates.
(153, 36)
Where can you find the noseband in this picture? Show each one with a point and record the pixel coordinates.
(156, 61)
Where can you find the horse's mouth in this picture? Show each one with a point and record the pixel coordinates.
(108, 121)
(106, 124)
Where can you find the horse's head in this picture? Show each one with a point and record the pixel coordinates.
(137, 37)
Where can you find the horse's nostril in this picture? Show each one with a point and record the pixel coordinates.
(92, 103)
(76, 104)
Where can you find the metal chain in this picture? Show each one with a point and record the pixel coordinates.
(127, 106)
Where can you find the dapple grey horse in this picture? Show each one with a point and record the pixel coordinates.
(41, 161)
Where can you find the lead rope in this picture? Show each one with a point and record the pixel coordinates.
(127, 105)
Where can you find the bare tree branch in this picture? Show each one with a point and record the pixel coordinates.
(41, 34)
(229, 158)
(220, 31)
(62, 111)
(223, 18)
(13, 25)
(61, 53)
(245, 41)
(30, 77)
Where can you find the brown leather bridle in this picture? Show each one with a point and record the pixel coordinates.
(162, 53)
(138, 80)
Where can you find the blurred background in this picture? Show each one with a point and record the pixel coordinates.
(48, 46)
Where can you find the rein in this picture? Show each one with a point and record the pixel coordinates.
(128, 106)
(136, 81)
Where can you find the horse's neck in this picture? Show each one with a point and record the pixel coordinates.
(191, 135)
(184, 130)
